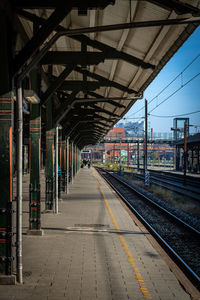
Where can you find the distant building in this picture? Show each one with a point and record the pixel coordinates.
(116, 133)
(132, 128)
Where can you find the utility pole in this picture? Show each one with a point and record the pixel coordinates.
(185, 153)
(146, 173)
(128, 154)
(138, 155)
(120, 155)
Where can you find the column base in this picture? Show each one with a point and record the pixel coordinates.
(39, 232)
(7, 279)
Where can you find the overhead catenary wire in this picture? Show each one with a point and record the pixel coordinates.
(182, 85)
(175, 116)
(167, 98)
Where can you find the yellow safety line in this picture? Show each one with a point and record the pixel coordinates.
(136, 271)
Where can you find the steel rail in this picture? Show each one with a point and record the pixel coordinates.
(167, 184)
(184, 266)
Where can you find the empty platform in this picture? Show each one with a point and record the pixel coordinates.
(92, 249)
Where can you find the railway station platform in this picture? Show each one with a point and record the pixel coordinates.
(92, 249)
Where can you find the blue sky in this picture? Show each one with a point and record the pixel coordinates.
(186, 100)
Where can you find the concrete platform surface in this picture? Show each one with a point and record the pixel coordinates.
(91, 250)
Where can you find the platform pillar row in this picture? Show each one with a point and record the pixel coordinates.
(6, 148)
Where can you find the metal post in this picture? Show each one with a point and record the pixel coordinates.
(67, 165)
(35, 150)
(56, 172)
(50, 132)
(59, 162)
(6, 146)
(72, 161)
(138, 155)
(146, 173)
(19, 183)
(120, 155)
(114, 153)
(75, 160)
(185, 152)
(128, 155)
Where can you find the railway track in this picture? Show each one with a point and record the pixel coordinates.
(174, 183)
(191, 181)
(180, 240)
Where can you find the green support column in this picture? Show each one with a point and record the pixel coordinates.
(60, 162)
(67, 166)
(72, 162)
(35, 161)
(49, 158)
(63, 164)
(78, 159)
(6, 150)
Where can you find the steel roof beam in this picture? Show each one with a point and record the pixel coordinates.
(104, 81)
(55, 84)
(62, 111)
(42, 34)
(177, 6)
(72, 127)
(91, 112)
(73, 57)
(51, 4)
(99, 110)
(70, 85)
(62, 96)
(102, 110)
(107, 100)
(93, 138)
(93, 43)
(101, 100)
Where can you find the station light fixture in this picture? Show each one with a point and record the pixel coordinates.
(31, 97)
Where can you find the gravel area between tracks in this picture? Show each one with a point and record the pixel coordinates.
(191, 220)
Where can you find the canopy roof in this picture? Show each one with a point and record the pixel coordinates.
(98, 70)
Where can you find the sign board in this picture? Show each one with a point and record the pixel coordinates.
(124, 152)
(85, 151)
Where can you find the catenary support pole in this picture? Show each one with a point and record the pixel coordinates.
(146, 173)
(138, 155)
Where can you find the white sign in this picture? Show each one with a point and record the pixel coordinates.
(86, 151)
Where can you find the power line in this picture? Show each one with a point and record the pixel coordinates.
(175, 91)
(182, 85)
(174, 116)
